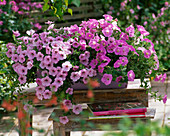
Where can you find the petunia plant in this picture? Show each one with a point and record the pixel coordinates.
(58, 58)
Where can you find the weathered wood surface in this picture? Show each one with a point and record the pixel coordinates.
(112, 95)
(74, 125)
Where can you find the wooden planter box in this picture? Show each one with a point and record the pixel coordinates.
(133, 93)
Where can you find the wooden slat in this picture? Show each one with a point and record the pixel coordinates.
(69, 17)
(58, 25)
(87, 1)
(74, 125)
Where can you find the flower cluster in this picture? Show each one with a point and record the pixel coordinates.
(76, 53)
(153, 16)
(14, 14)
(159, 30)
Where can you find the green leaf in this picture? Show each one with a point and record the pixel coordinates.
(66, 2)
(45, 7)
(76, 2)
(70, 11)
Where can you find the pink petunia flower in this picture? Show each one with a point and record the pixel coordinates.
(62, 75)
(117, 63)
(67, 103)
(106, 79)
(89, 36)
(21, 58)
(145, 23)
(85, 80)
(64, 120)
(66, 66)
(100, 69)
(130, 30)
(132, 11)
(24, 53)
(108, 17)
(75, 44)
(87, 54)
(42, 65)
(75, 68)
(142, 30)
(83, 73)
(61, 55)
(44, 73)
(58, 81)
(93, 43)
(138, 7)
(46, 81)
(48, 50)
(54, 87)
(40, 89)
(22, 70)
(9, 53)
(124, 60)
(53, 71)
(165, 98)
(51, 26)
(118, 50)
(22, 79)
(91, 72)
(75, 76)
(47, 59)
(37, 25)
(31, 54)
(47, 94)
(39, 95)
(16, 33)
(49, 66)
(107, 32)
(163, 78)
(15, 8)
(38, 81)
(55, 59)
(158, 77)
(1, 22)
(125, 50)
(147, 53)
(27, 107)
(77, 109)
(19, 49)
(118, 79)
(93, 63)
(14, 57)
(82, 57)
(69, 91)
(30, 32)
(131, 75)
(29, 65)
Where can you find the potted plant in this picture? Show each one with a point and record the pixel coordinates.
(74, 54)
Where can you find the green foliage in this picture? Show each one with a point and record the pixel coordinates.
(140, 128)
(142, 13)
(59, 7)
(8, 77)
(76, 2)
(14, 17)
